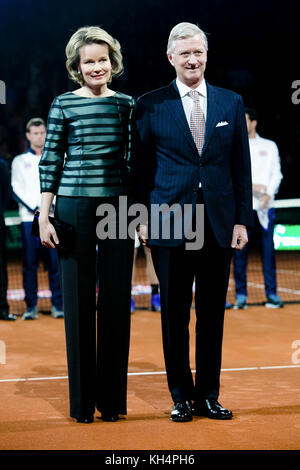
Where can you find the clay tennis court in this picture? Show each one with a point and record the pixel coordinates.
(260, 382)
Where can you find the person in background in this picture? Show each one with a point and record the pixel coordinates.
(26, 191)
(87, 162)
(151, 277)
(5, 191)
(266, 178)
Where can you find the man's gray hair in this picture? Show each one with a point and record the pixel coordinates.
(183, 31)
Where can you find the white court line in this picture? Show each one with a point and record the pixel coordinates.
(280, 289)
(288, 271)
(32, 379)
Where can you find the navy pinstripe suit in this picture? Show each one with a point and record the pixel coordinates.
(169, 171)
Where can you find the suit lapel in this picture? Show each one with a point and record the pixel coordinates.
(177, 112)
(211, 117)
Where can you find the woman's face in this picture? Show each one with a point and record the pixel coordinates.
(95, 65)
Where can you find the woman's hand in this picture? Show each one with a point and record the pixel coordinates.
(142, 232)
(48, 234)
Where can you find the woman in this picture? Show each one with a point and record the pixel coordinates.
(86, 162)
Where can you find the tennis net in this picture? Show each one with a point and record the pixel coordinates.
(287, 251)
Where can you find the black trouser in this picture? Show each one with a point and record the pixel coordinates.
(4, 308)
(97, 351)
(176, 270)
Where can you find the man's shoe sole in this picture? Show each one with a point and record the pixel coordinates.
(181, 420)
(207, 415)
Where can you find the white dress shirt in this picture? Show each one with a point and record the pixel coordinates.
(187, 101)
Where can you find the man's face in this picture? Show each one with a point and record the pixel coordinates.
(251, 125)
(36, 136)
(189, 60)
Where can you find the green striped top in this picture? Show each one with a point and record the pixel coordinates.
(88, 148)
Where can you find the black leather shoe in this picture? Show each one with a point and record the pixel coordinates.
(7, 316)
(211, 408)
(181, 412)
(85, 419)
(111, 417)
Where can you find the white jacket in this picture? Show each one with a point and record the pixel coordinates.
(25, 183)
(266, 170)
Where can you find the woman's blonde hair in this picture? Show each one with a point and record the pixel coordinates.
(92, 35)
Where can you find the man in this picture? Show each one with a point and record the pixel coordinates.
(173, 162)
(26, 191)
(4, 198)
(266, 178)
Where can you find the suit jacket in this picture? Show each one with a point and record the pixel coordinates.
(169, 168)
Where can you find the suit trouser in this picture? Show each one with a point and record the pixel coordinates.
(4, 307)
(266, 242)
(177, 269)
(97, 346)
(32, 252)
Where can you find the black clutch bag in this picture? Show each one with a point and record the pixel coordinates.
(65, 233)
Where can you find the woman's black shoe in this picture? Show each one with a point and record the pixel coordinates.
(110, 417)
(85, 419)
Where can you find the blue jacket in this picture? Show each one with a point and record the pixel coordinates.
(169, 168)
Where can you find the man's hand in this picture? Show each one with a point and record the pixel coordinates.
(264, 201)
(239, 237)
(259, 188)
(142, 232)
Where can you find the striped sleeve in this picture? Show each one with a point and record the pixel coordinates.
(52, 160)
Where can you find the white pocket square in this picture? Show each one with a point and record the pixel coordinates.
(222, 123)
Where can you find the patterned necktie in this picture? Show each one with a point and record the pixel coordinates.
(197, 121)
